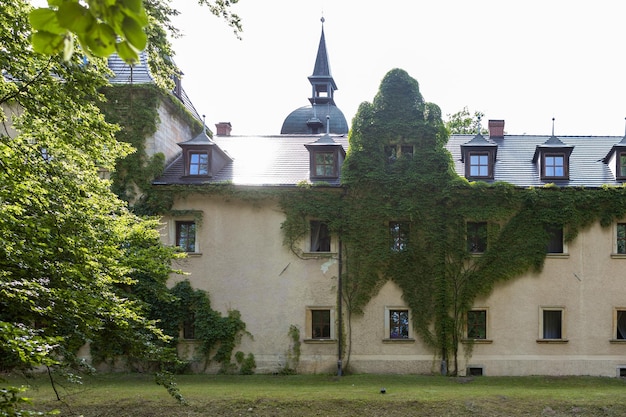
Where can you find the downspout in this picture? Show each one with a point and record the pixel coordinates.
(339, 311)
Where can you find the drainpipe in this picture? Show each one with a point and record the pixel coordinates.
(339, 312)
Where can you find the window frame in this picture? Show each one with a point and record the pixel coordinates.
(312, 234)
(399, 235)
(542, 328)
(618, 239)
(309, 316)
(334, 165)
(565, 166)
(189, 163)
(470, 165)
(617, 312)
(620, 166)
(177, 235)
(474, 236)
(388, 326)
(486, 325)
(553, 238)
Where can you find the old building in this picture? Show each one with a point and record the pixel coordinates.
(570, 318)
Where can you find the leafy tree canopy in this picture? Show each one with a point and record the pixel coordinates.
(464, 123)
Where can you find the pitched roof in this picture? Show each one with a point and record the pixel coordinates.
(514, 163)
(257, 161)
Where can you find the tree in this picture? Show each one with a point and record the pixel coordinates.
(71, 253)
(463, 123)
(103, 27)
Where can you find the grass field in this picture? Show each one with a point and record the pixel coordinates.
(121, 395)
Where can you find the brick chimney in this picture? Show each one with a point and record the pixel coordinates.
(223, 128)
(496, 129)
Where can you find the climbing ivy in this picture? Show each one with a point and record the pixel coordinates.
(438, 276)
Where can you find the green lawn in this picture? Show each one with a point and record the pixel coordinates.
(137, 395)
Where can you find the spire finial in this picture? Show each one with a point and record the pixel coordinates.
(322, 19)
(204, 123)
(625, 127)
(553, 126)
(478, 127)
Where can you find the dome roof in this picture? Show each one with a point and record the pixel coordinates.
(303, 121)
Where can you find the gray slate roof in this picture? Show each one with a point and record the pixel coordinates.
(514, 163)
(257, 161)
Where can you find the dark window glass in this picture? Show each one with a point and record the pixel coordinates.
(621, 325)
(325, 164)
(552, 325)
(477, 324)
(406, 151)
(320, 326)
(189, 328)
(476, 237)
(621, 238)
(555, 244)
(186, 236)
(398, 324)
(320, 237)
(622, 165)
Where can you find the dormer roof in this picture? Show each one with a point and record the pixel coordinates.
(552, 144)
(478, 142)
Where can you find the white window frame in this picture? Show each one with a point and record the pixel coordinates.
(172, 233)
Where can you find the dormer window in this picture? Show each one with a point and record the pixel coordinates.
(553, 159)
(326, 157)
(479, 156)
(616, 160)
(621, 166)
(198, 163)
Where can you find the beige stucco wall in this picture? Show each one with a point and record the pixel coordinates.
(243, 265)
(171, 130)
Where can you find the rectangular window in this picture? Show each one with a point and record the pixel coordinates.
(620, 325)
(406, 151)
(621, 238)
(325, 164)
(554, 165)
(186, 236)
(398, 324)
(320, 237)
(189, 327)
(477, 324)
(399, 232)
(479, 164)
(622, 165)
(476, 237)
(552, 324)
(198, 163)
(555, 244)
(320, 324)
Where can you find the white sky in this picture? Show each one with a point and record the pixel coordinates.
(522, 61)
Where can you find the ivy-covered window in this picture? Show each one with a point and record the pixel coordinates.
(325, 164)
(186, 235)
(477, 324)
(398, 324)
(406, 151)
(320, 236)
(555, 244)
(189, 327)
(552, 323)
(620, 325)
(621, 238)
(320, 324)
(479, 165)
(555, 166)
(198, 163)
(399, 233)
(476, 237)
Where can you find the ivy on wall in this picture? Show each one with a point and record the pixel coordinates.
(438, 276)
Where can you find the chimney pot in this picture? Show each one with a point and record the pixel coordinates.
(496, 129)
(223, 128)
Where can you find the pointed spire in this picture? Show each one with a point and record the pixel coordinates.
(322, 65)
(322, 81)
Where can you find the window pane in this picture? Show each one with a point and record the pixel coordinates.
(621, 238)
(621, 325)
(406, 151)
(198, 164)
(399, 235)
(554, 166)
(476, 237)
(320, 326)
(552, 324)
(398, 324)
(186, 236)
(479, 165)
(325, 164)
(320, 237)
(622, 165)
(477, 324)
(189, 328)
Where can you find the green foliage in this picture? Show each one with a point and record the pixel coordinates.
(438, 276)
(166, 379)
(247, 364)
(293, 353)
(464, 123)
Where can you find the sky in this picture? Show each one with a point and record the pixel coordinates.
(522, 61)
